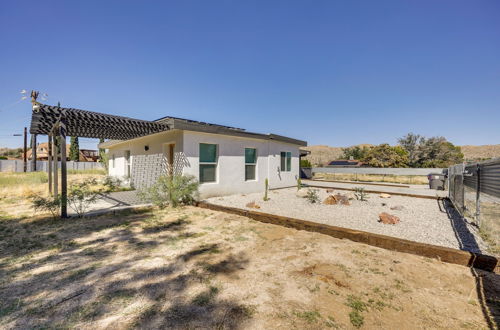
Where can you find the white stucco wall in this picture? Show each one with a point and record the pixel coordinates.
(230, 164)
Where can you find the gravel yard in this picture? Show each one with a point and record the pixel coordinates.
(422, 220)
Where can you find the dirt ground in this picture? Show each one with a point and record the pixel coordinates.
(195, 268)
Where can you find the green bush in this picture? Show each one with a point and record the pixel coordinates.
(305, 163)
(112, 183)
(81, 196)
(46, 204)
(360, 194)
(172, 190)
(312, 196)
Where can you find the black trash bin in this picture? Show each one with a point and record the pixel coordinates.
(436, 181)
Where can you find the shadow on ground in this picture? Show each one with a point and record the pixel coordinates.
(77, 279)
(487, 283)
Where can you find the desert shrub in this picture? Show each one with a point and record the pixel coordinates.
(312, 196)
(3, 157)
(112, 183)
(305, 163)
(82, 195)
(46, 204)
(360, 194)
(172, 190)
(299, 184)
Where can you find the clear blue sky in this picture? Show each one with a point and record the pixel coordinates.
(329, 72)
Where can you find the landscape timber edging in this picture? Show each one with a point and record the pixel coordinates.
(445, 254)
(379, 192)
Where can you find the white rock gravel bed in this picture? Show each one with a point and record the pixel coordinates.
(422, 220)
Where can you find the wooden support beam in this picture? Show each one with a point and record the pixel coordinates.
(55, 153)
(64, 178)
(49, 161)
(25, 150)
(33, 152)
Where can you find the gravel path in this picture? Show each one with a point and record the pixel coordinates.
(422, 220)
(422, 190)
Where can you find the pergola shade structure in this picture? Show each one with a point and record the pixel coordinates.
(90, 124)
(58, 122)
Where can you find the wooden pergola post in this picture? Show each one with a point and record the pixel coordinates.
(33, 152)
(64, 178)
(49, 161)
(55, 159)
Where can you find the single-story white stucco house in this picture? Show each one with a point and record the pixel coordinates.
(225, 160)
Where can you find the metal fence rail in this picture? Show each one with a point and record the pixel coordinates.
(474, 190)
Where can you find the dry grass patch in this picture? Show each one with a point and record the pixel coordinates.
(193, 268)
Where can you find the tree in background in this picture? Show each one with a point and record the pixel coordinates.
(305, 163)
(74, 149)
(356, 152)
(430, 152)
(411, 143)
(384, 155)
(438, 152)
(103, 156)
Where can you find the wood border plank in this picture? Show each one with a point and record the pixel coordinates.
(445, 254)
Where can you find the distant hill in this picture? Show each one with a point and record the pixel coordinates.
(322, 154)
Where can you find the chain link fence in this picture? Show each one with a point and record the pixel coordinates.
(474, 190)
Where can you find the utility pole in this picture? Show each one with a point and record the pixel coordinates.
(25, 163)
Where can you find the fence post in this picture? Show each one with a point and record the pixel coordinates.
(478, 195)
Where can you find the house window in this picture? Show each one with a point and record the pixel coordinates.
(286, 161)
(127, 163)
(208, 162)
(250, 163)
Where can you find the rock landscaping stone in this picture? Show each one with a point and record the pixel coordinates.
(397, 208)
(330, 200)
(387, 218)
(329, 191)
(253, 205)
(384, 195)
(342, 199)
(302, 193)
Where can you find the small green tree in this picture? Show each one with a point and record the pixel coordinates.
(356, 152)
(81, 196)
(74, 149)
(386, 156)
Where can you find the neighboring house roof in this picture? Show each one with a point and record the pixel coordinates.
(86, 155)
(345, 163)
(198, 126)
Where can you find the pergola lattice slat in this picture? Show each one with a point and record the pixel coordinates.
(83, 123)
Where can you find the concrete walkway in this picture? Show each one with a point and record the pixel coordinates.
(417, 190)
(115, 201)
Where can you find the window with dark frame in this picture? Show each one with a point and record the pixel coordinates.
(250, 163)
(286, 161)
(208, 162)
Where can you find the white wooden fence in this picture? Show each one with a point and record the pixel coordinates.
(42, 166)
